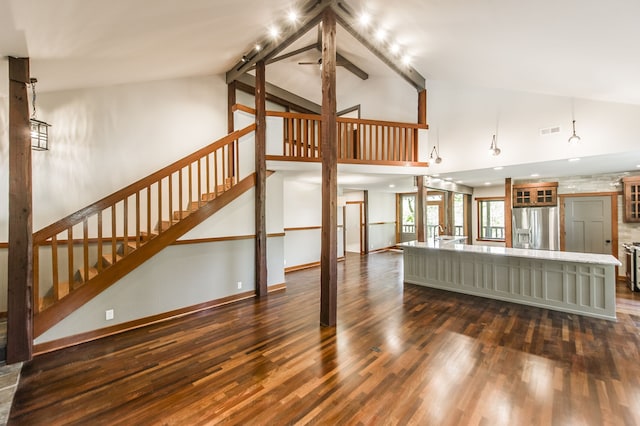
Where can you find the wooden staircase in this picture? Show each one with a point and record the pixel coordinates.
(116, 232)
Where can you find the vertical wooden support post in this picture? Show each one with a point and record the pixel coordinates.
(329, 149)
(365, 237)
(422, 119)
(20, 258)
(507, 213)
(231, 101)
(419, 213)
(261, 181)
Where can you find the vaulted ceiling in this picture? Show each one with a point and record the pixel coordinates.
(572, 48)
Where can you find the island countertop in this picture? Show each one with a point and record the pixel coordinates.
(580, 283)
(562, 256)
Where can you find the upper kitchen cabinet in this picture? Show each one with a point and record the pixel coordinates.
(535, 194)
(631, 193)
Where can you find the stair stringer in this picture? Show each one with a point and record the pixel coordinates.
(62, 308)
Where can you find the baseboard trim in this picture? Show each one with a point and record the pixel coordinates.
(301, 267)
(89, 336)
(381, 249)
(306, 266)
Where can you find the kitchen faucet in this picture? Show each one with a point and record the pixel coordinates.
(435, 231)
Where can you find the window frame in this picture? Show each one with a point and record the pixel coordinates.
(480, 201)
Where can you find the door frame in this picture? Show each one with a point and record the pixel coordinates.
(362, 226)
(614, 218)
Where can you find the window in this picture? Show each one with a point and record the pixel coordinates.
(491, 219)
(458, 214)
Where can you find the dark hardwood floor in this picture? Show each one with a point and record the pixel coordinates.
(401, 354)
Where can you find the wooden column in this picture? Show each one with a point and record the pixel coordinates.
(231, 101)
(261, 181)
(507, 213)
(20, 256)
(329, 152)
(422, 118)
(419, 219)
(365, 208)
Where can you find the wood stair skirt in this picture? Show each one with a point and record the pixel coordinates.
(130, 254)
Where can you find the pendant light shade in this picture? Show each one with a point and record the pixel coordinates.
(574, 139)
(437, 158)
(493, 149)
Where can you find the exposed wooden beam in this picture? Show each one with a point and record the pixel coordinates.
(247, 83)
(270, 47)
(294, 53)
(261, 181)
(350, 66)
(20, 253)
(231, 101)
(329, 243)
(341, 60)
(347, 19)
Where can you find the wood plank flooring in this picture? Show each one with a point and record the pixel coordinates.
(400, 354)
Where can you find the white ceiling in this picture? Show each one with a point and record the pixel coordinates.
(574, 48)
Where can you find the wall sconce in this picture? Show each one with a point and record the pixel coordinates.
(493, 149)
(437, 159)
(574, 139)
(39, 129)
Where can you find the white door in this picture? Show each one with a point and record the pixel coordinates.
(353, 227)
(588, 224)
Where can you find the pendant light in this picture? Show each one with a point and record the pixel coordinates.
(437, 159)
(493, 149)
(39, 129)
(574, 139)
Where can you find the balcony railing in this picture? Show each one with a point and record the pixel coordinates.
(359, 141)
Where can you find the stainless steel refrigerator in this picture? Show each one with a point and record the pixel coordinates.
(536, 228)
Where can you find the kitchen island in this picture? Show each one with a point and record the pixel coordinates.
(579, 283)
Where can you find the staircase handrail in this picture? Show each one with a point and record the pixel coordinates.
(77, 217)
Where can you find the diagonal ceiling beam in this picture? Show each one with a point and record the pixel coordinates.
(269, 48)
(348, 65)
(312, 15)
(341, 60)
(348, 20)
(293, 53)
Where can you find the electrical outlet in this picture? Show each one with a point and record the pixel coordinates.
(239, 285)
(108, 314)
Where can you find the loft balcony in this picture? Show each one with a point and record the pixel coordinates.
(295, 137)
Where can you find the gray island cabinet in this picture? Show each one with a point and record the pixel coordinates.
(578, 283)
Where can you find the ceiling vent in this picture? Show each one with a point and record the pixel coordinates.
(549, 130)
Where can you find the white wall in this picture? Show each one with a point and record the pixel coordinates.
(464, 119)
(382, 218)
(303, 208)
(106, 138)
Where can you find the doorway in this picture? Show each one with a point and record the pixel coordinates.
(587, 225)
(354, 227)
(435, 213)
(406, 217)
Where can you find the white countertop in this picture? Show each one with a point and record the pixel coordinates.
(562, 256)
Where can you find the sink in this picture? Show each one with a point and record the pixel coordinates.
(450, 238)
